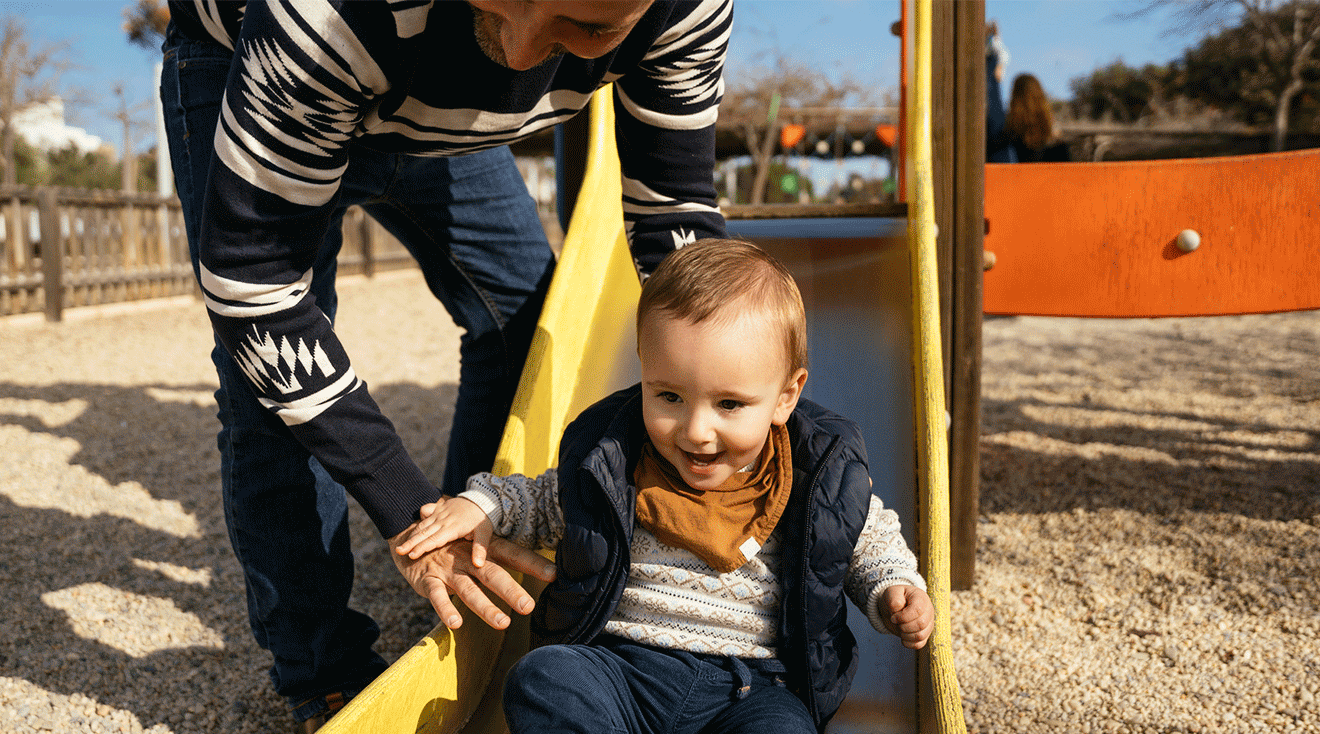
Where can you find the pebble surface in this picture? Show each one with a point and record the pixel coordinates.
(1149, 544)
(1148, 553)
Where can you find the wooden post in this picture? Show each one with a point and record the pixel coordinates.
(968, 259)
(52, 254)
(958, 78)
(16, 233)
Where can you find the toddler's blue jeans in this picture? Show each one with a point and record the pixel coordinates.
(617, 686)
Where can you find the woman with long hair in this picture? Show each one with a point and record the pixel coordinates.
(1030, 124)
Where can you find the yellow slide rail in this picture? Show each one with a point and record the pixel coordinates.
(928, 379)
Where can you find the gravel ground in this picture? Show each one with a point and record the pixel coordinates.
(1147, 563)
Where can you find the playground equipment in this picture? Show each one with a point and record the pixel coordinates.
(1113, 239)
(873, 327)
(1093, 240)
(855, 277)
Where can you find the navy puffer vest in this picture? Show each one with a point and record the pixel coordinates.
(819, 529)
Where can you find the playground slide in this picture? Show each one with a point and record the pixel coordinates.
(855, 278)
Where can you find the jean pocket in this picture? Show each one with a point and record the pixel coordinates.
(202, 82)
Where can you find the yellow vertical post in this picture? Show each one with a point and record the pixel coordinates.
(928, 376)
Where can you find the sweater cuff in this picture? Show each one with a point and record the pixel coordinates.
(873, 602)
(488, 501)
(394, 493)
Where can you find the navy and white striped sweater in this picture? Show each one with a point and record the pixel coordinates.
(311, 76)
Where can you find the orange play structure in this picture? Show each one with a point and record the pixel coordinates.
(1102, 239)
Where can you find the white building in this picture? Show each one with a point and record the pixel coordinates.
(43, 126)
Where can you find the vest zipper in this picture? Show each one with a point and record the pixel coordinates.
(802, 581)
(594, 621)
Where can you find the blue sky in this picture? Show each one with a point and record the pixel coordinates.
(1054, 39)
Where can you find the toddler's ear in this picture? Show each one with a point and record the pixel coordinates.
(788, 399)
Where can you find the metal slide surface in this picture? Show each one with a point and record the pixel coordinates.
(854, 274)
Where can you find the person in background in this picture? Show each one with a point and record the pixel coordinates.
(282, 114)
(709, 525)
(1030, 126)
(998, 149)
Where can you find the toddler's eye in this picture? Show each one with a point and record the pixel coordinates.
(669, 397)
(730, 405)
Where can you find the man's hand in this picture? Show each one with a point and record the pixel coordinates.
(908, 613)
(448, 570)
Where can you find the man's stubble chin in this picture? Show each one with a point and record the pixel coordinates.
(486, 28)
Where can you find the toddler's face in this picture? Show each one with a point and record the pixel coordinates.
(711, 391)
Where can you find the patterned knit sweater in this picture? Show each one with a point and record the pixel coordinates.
(673, 599)
(311, 78)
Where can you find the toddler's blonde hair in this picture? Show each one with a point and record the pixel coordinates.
(699, 280)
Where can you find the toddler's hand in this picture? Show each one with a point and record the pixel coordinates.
(445, 521)
(908, 613)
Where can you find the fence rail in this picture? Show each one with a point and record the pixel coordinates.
(61, 248)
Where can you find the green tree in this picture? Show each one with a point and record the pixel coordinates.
(71, 167)
(1264, 53)
(1123, 93)
(1257, 79)
(65, 167)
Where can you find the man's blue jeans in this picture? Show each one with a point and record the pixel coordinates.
(474, 231)
(616, 686)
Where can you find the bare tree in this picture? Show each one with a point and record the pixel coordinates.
(29, 76)
(756, 103)
(1282, 36)
(145, 23)
(130, 118)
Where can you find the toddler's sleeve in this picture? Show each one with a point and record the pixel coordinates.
(524, 510)
(881, 559)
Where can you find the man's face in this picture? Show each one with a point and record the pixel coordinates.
(520, 34)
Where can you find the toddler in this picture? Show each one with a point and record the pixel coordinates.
(708, 524)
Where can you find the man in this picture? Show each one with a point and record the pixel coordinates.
(279, 117)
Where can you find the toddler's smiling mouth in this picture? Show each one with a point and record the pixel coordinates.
(702, 460)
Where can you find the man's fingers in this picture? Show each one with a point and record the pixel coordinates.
(519, 559)
(439, 597)
(498, 580)
(904, 615)
(913, 618)
(479, 603)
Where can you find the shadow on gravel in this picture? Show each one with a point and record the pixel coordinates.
(69, 535)
(1242, 500)
(1196, 463)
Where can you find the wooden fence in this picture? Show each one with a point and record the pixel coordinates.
(62, 248)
